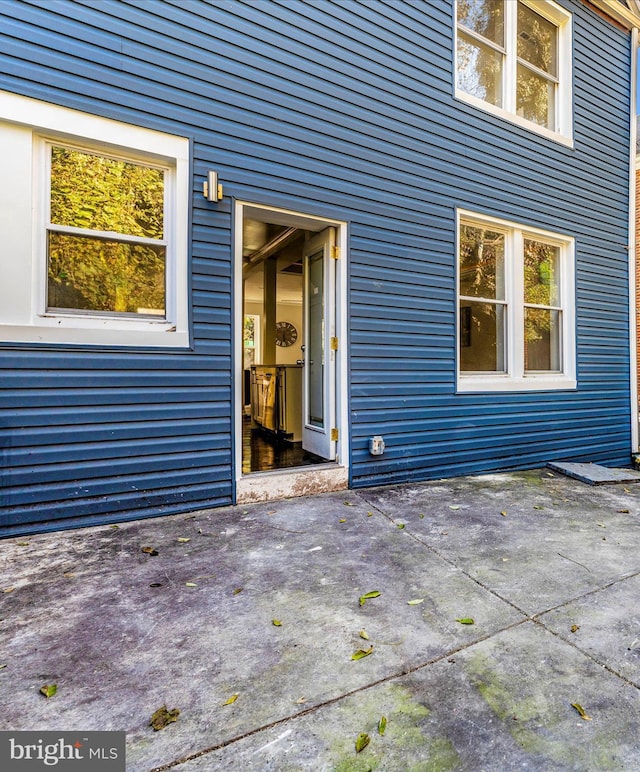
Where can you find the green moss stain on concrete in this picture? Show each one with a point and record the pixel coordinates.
(539, 724)
(406, 744)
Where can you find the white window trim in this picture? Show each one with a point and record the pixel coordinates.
(26, 126)
(515, 379)
(564, 102)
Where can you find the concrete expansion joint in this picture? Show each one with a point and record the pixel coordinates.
(452, 563)
(582, 596)
(535, 618)
(340, 698)
(586, 654)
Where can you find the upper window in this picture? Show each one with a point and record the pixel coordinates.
(514, 59)
(104, 259)
(516, 307)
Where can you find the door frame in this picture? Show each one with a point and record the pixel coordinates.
(332, 475)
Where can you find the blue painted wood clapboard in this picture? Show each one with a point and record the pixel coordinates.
(342, 110)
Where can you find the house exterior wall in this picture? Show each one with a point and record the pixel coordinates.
(338, 110)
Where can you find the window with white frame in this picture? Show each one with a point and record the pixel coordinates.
(95, 218)
(513, 58)
(516, 307)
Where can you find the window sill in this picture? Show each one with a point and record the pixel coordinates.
(503, 383)
(100, 333)
(563, 138)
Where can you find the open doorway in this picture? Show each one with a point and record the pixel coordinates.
(290, 403)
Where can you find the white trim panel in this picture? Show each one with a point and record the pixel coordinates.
(25, 126)
(338, 471)
(515, 379)
(563, 132)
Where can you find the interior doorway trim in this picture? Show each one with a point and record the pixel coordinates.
(298, 481)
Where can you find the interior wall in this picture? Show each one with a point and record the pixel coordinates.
(289, 312)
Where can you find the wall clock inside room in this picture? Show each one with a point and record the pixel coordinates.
(286, 334)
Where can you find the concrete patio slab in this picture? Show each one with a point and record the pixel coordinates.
(605, 625)
(502, 704)
(535, 538)
(123, 631)
(596, 474)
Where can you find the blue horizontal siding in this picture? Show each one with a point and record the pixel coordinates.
(343, 110)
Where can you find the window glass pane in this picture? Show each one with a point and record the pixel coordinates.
(537, 40)
(541, 273)
(535, 98)
(91, 191)
(90, 274)
(479, 70)
(542, 340)
(486, 17)
(314, 355)
(481, 262)
(482, 337)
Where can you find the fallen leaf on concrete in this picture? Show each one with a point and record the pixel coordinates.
(348, 504)
(581, 711)
(150, 551)
(400, 525)
(2, 667)
(163, 717)
(26, 543)
(361, 653)
(301, 701)
(504, 513)
(537, 506)
(454, 506)
(421, 516)
(11, 589)
(343, 520)
(237, 590)
(367, 596)
(362, 741)
(155, 584)
(49, 690)
(369, 514)
(364, 635)
(466, 621)
(231, 700)
(382, 724)
(627, 490)
(69, 575)
(415, 601)
(183, 539)
(114, 526)
(623, 511)
(190, 584)
(276, 623)
(575, 628)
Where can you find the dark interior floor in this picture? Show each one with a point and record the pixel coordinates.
(262, 453)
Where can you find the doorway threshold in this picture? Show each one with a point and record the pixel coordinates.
(289, 483)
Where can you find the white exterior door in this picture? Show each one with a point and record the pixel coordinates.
(319, 433)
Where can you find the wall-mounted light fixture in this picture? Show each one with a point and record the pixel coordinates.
(211, 188)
